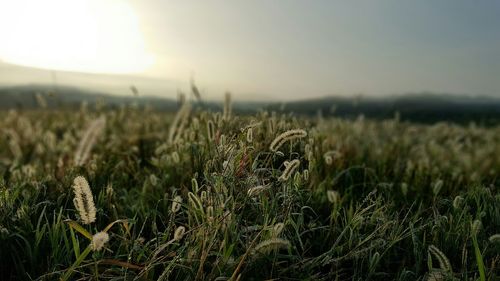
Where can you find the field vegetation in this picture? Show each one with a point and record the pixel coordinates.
(134, 194)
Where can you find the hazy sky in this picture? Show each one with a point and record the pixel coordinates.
(279, 49)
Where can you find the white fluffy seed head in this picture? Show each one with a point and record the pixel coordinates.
(210, 212)
(153, 179)
(88, 140)
(495, 238)
(196, 124)
(331, 155)
(203, 196)
(250, 135)
(222, 141)
(328, 160)
(306, 175)
(444, 262)
(257, 190)
(271, 244)
(290, 167)
(99, 240)
(178, 124)
(176, 204)
(175, 157)
(84, 201)
(458, 202)
(194, 185)
(278, 228)
(287, 136)
(195, 201)
(179, 233)
(211, 130)
(436, 275)
(272, 124)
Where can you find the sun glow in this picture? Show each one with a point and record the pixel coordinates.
(98, 36)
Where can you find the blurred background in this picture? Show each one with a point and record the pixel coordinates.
(421, 60)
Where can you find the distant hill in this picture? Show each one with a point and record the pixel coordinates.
(417, 107)
(24, 97)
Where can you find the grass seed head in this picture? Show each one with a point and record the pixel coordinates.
(458, 202)
(88, 140)
(196, 124)
(436, 275)
(306, 175)
(495, 238)
(271, 244)
(175, 157)
(253, 191)
(278, 228)
(328, 160)
(179, 233)
(211, 130)
(290, 167)
(99, 240)
(178, 124)
(83, 200)
(444, 262)
(250, 135)
(287, 136)
(153, 179)
(195, 201)
(194, 185)
(176, 204)
(210, 214)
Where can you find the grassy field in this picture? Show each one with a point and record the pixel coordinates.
(214, 196)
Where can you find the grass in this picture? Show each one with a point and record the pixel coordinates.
(369, 200)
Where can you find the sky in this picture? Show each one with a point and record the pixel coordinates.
(280, 50)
